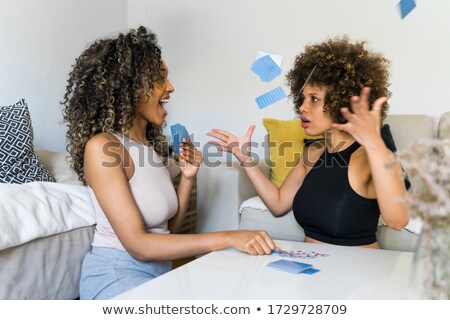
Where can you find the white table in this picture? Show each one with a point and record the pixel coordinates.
(347, 273)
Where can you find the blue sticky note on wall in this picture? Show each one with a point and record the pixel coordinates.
(266, 68)
(179, 133)
(406, 6)
(270, 97)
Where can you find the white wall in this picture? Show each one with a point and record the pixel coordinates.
(210, 45)
(39, 41)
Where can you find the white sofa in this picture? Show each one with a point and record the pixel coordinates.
(46, 229)
(222, 190)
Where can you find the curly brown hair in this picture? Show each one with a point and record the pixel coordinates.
(343, 69)
(103, 90)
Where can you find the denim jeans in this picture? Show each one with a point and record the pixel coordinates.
(107, 272)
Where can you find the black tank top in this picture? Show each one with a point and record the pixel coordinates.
(327, 207)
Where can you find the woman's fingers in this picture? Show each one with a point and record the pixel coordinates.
(219, 134)
(189, 153)
(254, 242)
(354, 104)
(364, 96)
(378, 105)
(360, 103)
(264, 245)
(250, 131)
(261, 243)
(347, 114)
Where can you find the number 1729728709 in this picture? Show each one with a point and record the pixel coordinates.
(306, 309)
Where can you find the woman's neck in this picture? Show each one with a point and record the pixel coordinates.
(336, 140)
(137, 135)
(138, 131)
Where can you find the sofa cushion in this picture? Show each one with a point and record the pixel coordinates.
(57, 164)
(406, 128)
(399, 240)
(18, 162)
(286, 139)
(281, 228)
(444, 126)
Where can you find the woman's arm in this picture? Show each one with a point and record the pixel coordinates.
(389, 185)
(277, 200)
(364, 126)
(190, 159)
(104, 172)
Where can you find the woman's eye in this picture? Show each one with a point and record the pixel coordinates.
(314, 99)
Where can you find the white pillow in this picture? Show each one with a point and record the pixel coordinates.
(57, 164)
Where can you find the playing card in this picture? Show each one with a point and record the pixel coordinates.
(289, 266)
(299, 254)
(311, 271)
(405, 7)
(270, 97)
(266, 68)
(179, 133)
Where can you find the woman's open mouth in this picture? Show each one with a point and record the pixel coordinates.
(305, 123)
(162, 103)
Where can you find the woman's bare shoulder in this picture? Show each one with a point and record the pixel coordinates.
(102, 138)
(103, 147)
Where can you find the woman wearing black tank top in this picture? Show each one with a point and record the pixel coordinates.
(341, 184)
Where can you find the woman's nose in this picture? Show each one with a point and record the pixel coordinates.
(302, 108)
(170, 87)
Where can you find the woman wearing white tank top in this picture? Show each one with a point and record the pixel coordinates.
(114, 109)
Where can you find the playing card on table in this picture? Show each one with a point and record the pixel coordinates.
(299, 254)
(289, 266)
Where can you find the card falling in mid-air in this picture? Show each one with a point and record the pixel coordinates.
(179, 133)
(266, 68)
(275, 57)
(270, 97)
(405, 7)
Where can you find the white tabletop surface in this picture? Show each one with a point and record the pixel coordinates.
(347, 273)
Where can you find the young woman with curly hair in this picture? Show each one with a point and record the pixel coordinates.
(115, 110)
(341, 184)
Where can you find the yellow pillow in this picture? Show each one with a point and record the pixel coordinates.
(286, 139)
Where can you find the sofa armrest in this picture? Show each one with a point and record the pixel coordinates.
(220, 191)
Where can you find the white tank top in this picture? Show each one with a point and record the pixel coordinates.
(152, 190)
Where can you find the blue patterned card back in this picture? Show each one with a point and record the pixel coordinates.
(179, 133)
(270, 97)
(289, 266)
(266, 68)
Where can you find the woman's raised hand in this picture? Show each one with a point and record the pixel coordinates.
(363, 124)
(190, 159)
(228, 142)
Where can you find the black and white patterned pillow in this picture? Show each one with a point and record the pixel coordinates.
(18, 162)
